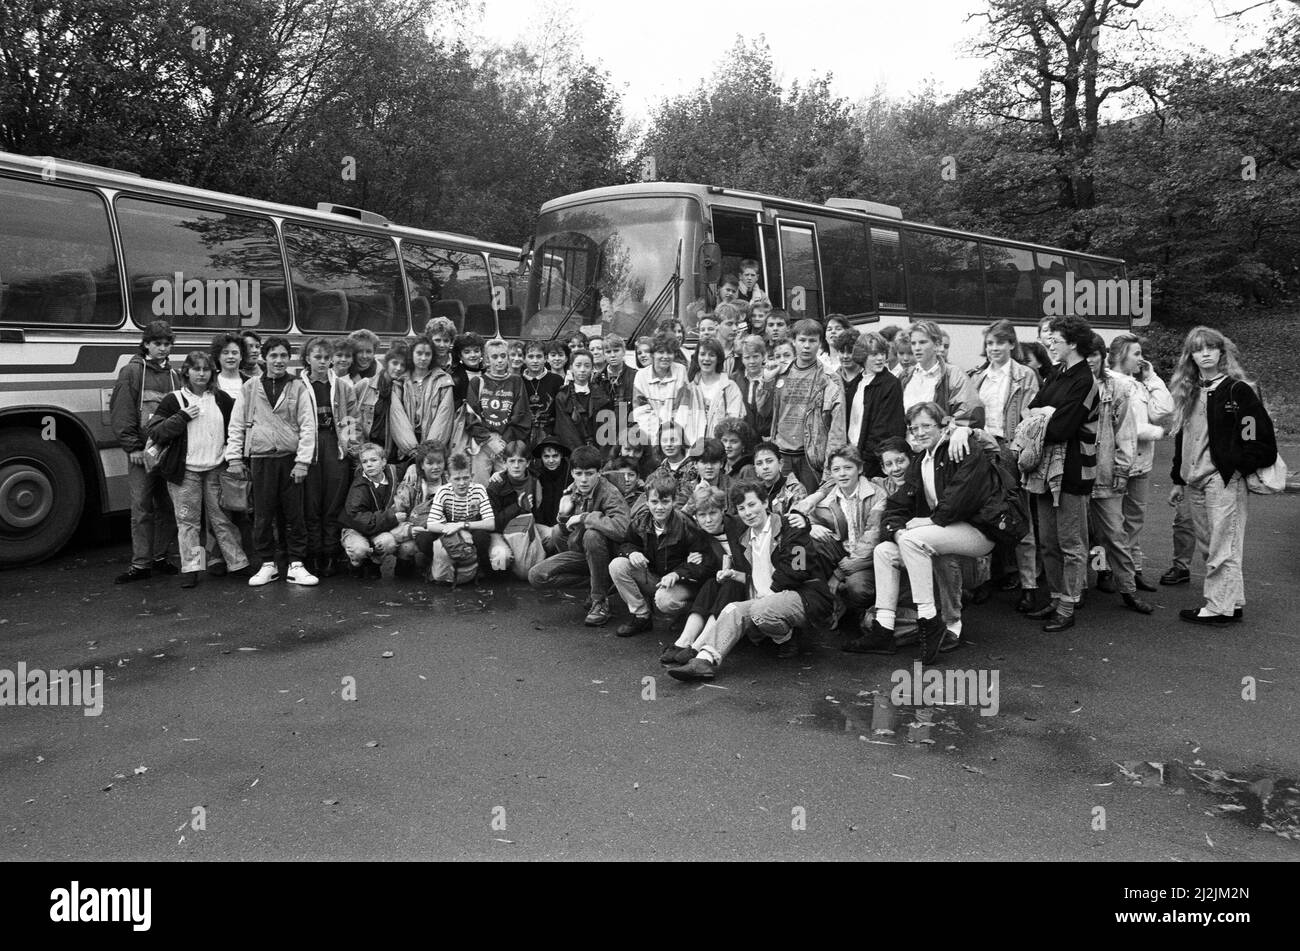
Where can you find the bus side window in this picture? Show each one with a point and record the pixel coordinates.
(57, 264)
(344, 281)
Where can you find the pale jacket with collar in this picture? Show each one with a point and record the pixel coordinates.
(1116, 435)
(1021, 389)
(871, 506)
(343, 403)
(260, 429)
(1153, 412)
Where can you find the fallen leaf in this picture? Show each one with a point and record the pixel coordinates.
(330, 802)
(372, 743)
(900, 776)
(972, 769)
(140, 769)
(386, 654)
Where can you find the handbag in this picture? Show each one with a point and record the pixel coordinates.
(234, 491)
(1270, 480)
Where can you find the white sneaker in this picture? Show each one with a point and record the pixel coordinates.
(298, 574)
(265, 575)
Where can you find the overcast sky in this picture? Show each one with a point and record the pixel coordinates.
(657, 48)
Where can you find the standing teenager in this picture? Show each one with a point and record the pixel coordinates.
(194, 420)
(334, 405)
(1224, 435)
(276, 431)
(139, 390)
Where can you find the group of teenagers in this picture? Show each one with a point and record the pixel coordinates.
(787, 477)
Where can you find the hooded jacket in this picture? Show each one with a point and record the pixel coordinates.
(260, 429)
(139, 389)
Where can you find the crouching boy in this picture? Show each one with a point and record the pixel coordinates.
(370, 517)
(592, 523)
(784, 580)
(461, 521)
(652, 565)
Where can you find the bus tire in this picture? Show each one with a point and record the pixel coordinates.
(42, 494)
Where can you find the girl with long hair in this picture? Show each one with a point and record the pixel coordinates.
(1224, 435)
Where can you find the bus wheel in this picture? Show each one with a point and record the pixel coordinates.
(42, 493)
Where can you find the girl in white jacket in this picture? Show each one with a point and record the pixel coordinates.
(1153, 409)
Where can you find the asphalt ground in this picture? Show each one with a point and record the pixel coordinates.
(501, 728)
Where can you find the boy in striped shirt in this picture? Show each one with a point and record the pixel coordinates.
(463, 505)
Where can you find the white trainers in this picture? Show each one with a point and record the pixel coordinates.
(298, 574)
(265, 575)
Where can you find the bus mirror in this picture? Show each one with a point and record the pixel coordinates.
(710, 262)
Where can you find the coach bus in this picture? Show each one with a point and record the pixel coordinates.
(88, 256)
(628, 256)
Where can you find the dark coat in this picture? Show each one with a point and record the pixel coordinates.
(577, 420)
(169, 427)
(1229, 405)
(882, 417)
(796, 566)
(963, 490)
(666, 552)
(369, 509)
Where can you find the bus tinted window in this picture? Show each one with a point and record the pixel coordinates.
(446, 283)
(200, 268)
(943, 275)
(57, 264)
(845, 267)
(1051, 267)
(344, 282)
(799, 271)
(887, 270)
(1009, 277)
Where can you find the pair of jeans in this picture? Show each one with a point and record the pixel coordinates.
(1134, 508)
(1106, 521)
(153, 528)
(382, 547)
(638, 585)
(1063, 537)
(277, 504)
(1219, 513)
(797, 462)
(916, 549)
(775, 615)
(579, 558)
(197, 495)
(1184, 533)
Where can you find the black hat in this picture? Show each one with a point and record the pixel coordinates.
(550, 441)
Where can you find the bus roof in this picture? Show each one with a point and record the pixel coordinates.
(83, 174)
(706, 194)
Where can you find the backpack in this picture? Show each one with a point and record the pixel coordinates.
(1005, 516)
(455, 559)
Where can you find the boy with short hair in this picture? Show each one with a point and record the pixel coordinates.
(776, 563)
(807, 409)
(728, 288)
(759, 312)
(652, 563)
(276, 428)
(776, 327)
(540, 387)
(749, 289)
(710, 472)
(370, 517)
(593, 521)
(580, 404)
(755, 389)
(461, 508)
(140, 387)
(619, 378)
(498, 405)
(781, 489)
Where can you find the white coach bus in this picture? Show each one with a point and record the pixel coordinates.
(88, 256)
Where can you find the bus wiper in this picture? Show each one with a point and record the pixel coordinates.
(578, 304)
(666, 293)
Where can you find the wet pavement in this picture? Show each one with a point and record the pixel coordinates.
(488, 723)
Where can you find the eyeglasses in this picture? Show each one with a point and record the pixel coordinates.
(922, 428)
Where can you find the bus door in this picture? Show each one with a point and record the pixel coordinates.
(737, 232)
(799, 268)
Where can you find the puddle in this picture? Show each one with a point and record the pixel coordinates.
(874, 718)
(1261, 801)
